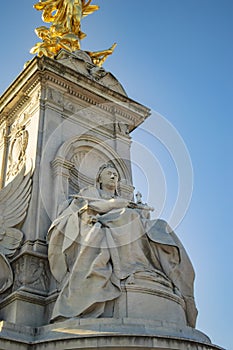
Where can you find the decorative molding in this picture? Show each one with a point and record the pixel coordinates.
(32, 272)
(17, 152)
(26, 296)
(19, 100)
(134, 288)
(37, 248)
(44, 70)
(61, 166)
(86, 143)
(100, 102)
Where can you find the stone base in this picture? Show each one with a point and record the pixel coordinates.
(149, 301)
(21, 308)
(25, 308)
(104, 333)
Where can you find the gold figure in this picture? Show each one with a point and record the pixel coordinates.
(66, 15)
(53, 42)
(65, 31)
(99, 57)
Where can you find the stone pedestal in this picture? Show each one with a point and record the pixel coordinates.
(117, 334)
(147, 301)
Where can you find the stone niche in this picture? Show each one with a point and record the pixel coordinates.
(72, 170)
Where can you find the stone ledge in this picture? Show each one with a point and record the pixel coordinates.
(119, 327)
(104, 334)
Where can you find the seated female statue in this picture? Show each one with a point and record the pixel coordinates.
(102, 241)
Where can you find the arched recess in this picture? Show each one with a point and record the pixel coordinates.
(76, 165)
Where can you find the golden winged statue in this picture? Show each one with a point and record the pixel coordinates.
(65, 32)
(14, 201)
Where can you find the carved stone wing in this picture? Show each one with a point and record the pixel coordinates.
(6, 275)
(14, 200)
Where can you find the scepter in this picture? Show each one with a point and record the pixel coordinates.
(132, 204)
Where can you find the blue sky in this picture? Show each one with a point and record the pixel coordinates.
(175, 57)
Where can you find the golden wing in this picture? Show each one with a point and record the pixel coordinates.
(87, 9)
(48, 7)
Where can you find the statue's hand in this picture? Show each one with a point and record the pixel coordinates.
(105, 205)
(118, 203)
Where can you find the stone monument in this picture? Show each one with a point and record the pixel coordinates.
(82, 264)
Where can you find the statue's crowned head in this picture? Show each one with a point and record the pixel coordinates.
(107, 175)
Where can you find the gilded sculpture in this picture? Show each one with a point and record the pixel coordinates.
(65, 31)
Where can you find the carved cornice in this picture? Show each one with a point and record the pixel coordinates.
(73, 83)
(94, 100)
(27, 295)
(37, 248)
(19, 100)
(9, 113)
(91, 99)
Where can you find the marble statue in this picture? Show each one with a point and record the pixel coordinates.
(102, 240)
(14, 201)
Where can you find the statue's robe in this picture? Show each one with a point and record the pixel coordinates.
(90, 254)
